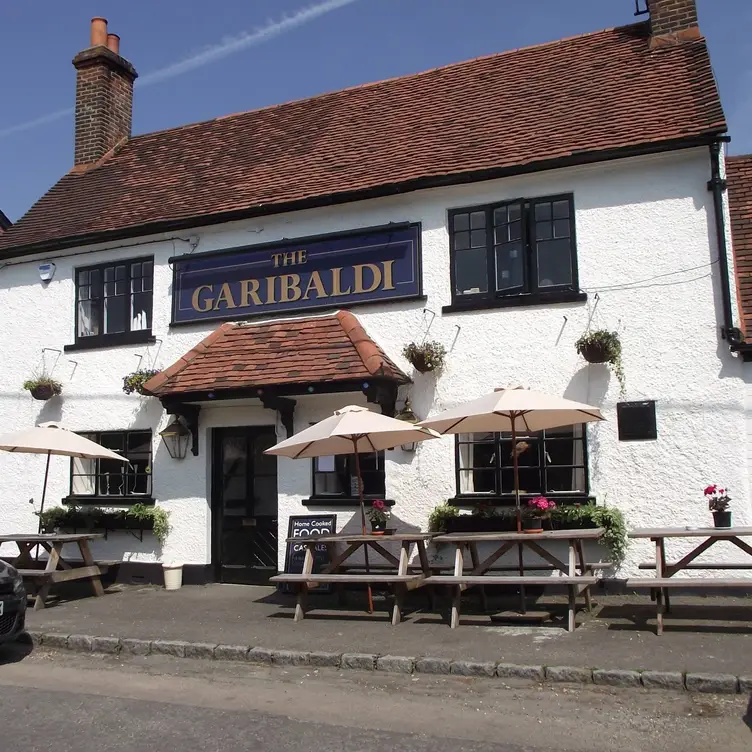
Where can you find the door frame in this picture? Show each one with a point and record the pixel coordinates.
(215, 471)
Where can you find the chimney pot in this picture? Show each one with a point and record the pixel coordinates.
(113, 43)
(98, 32)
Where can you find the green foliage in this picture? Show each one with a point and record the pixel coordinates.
(610, 344)
(438, 517)
(428, 356)
(134, 382)
(93, 518)
(589, 515)
(43, 379)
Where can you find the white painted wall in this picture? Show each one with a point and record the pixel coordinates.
(638, 219)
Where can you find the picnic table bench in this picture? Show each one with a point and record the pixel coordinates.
(399, 578)
(57, 567)
(576, 574)
(664, 579)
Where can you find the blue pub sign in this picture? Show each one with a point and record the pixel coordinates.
(373, 265)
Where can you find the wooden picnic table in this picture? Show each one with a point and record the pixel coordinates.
(58, 568)
(664, 571)
(342, 547)
(576, 573)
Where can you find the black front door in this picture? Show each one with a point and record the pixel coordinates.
(244, 505)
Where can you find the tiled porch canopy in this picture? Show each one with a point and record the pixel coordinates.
(274, 360)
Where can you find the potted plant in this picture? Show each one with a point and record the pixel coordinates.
(134, 382)
(43, 387)
(576, 516)
(428, 356)
(602, 346)
(378, 514)
(539, 509)
(718, 503)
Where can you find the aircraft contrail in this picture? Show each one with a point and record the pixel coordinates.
(225, 48)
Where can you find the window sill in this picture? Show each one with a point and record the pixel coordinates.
(112, 340)
(107, 501)
(342, 501)
(466, 501)
(516, 301)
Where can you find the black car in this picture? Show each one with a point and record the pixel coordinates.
(12, 603)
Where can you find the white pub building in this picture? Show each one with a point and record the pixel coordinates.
(273, 265)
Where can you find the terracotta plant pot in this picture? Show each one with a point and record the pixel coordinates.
(532, 525)
(722, 519)
(43, 392)
(595, 352)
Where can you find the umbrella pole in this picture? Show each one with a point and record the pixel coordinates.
(516, 466)
(44, 494)
(362, 519)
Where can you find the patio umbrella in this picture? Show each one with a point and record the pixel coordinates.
(49, 439)
(513, 410)
(352, 430)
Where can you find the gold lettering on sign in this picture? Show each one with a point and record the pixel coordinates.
(196, 299)
(290, 288)
(337, 283)
(276, 258)
(316, 284)
(225, 296)
(289, 258)
(249, 293)
(359, 287)
(302, 257)
(388, 283)
(270, 296)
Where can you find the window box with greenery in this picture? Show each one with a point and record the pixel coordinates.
(335, 481)
(552, 463)
(76, 519)
(104, 481)
(520, 252)
(114, 304)
(43, 387)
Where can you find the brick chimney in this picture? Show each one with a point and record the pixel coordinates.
(104, 95)
(673, 22)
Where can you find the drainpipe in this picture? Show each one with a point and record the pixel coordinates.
(717, 185)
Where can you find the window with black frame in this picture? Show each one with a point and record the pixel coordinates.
(117, 481)
(550, 463)
(114, 301)
(517, 248)
(336, 477)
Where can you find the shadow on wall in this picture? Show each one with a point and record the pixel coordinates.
(589, 385)
(51, 411)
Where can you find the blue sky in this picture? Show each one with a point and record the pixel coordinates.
(233, 55)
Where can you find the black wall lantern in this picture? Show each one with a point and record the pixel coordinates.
(407, 414)
(176, 438)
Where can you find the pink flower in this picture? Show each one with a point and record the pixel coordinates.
(710, 490)
(378, 504)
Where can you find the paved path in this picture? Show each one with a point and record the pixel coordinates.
(706, 635)
(90, 703)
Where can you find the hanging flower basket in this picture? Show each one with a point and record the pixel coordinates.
(426, 357)
(602, 346)
(43, 388)
(134, 382)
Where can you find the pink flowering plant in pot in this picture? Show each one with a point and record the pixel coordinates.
(539, 509)
(378, 514)
(718, 502)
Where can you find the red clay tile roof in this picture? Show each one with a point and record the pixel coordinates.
(494, 115)
(294, 351)
(739, 176)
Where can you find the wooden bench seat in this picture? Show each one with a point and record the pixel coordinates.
(485, 579)
(60, 575)
(686, 582)
(701, 565)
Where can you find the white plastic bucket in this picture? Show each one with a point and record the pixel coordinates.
(173, 576)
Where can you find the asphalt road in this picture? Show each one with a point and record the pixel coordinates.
(67, 703)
